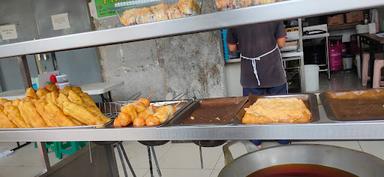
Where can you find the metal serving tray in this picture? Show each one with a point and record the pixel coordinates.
(310, 101)
(213, 111)
(112, 109)
(364, 105)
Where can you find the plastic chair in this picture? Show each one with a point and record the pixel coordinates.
(64, 148)
(379, 64)
(364, 73)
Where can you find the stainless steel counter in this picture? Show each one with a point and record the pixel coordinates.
(263, 13)
(324, 129)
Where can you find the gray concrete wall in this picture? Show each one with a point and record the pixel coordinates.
(162, 68)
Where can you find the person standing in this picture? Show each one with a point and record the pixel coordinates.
(262, 71)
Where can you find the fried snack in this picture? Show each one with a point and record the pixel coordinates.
(122, 120)
(277, 110)
(129, 17)
(30, 114)
(152, 121)
(80, 113)
(164, 112)
(144, 15)
(51, 87)
(3, 101)
(61, 99)
(76, 89)
(138, 122)
(41, 92)
(65, 90)
(246, 3)
(131, 110)
(30, 93)
(61, 119)
(145, 114)
(75, 98)
(13, 113)
(51, 97)
(49, 118)
(160, 12)
(173, 12)
(5, 122)
(189, 7)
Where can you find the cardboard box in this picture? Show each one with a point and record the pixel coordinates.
(336, 20)
(355, 16)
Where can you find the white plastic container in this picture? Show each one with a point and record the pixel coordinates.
(311, 75)
(347, 63)
(62, 85)
(62, 78)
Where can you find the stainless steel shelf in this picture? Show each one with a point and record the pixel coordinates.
(325, 129)
(256, 14)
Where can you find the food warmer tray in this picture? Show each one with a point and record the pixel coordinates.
(310, 101)
(354, 109)
(112, 109)
(212, 111)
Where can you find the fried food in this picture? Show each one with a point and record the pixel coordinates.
(41, 92)
(139, 122)
(29, 113)
(51, 87)
(30, 93)
(164, 112)
(277, 110)
(49, 118)
(173, 12)
(75, 98)
(124, 120)
(5, 122)
(152, 121)
(80, 113)
(189, 7)
(129, 17)
(13, 113)
(160, 12)
(61, 119)
(142, 113)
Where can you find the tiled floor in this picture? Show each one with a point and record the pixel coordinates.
(175, 159)
(342, 80)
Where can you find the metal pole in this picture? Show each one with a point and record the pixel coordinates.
(122, 160)
(24, 69)
(327, 56)
(44, 156)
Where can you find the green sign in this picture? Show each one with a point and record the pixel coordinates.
(106, 8)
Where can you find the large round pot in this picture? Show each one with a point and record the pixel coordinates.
(355, 162)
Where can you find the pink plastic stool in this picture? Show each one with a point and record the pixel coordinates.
(379, 64)
(364, 72)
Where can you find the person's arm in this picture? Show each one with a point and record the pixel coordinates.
(280, 34)
(232, 40)
(281, 42)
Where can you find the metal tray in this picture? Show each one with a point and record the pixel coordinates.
(361, 105)
(112, 109)
(310, 101)
(214, 111)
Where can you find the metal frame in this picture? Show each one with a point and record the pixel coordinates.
(324, 129)
(263, 13)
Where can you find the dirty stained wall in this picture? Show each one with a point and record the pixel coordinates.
(163, 68)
